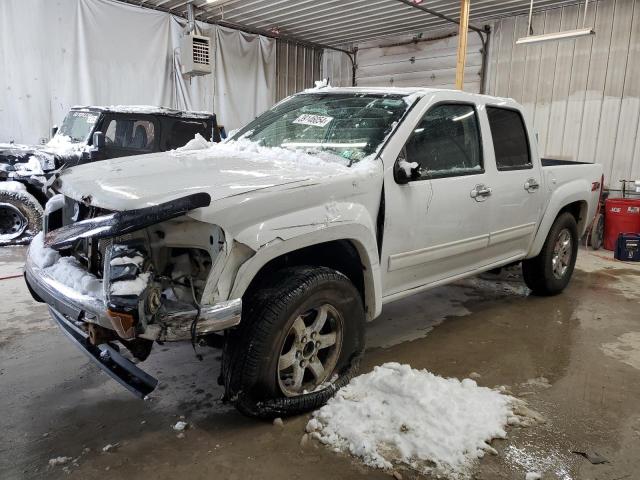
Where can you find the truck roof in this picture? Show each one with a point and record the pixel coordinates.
(406, 91)
(144, 110)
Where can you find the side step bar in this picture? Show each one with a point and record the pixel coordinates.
(108, 358)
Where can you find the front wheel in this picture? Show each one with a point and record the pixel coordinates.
(299, 341)
(549, 273)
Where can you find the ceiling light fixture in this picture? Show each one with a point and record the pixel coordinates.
(566, 35)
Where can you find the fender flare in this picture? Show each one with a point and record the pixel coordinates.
(357, 234)
(572, 192)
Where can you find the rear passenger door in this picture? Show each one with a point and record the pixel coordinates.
(517, 194)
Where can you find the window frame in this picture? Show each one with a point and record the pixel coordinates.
(526, 136)
(482, 170)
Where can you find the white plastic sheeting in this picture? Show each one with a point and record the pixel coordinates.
(58, 54)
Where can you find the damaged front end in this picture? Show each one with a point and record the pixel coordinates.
(135, 277)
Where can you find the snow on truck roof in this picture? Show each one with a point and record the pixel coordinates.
(144, 109)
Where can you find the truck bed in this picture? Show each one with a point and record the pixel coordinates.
(554, 162)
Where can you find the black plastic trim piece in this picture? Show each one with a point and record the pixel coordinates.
(121, 223)
(108, 359)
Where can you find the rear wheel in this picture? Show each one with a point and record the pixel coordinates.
(20, 217)
(299, 341)
(549, 273)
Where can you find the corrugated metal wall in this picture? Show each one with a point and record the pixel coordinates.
(583, 96)
(297, 67)
(410, 61)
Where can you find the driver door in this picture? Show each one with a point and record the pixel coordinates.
(437, 223)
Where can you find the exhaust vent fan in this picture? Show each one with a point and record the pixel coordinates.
(195, 55)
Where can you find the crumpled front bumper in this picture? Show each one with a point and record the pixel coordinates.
(83, 308)
(73, 311)
(108, 358)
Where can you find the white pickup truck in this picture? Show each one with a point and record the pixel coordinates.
(279, 244)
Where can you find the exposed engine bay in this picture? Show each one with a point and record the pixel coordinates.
(153, 264)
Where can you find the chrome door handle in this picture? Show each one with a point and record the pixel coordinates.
(480, 192)
(531, 185)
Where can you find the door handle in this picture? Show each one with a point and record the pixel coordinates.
(531, 185)
(480, 192)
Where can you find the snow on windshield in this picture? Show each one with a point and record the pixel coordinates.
(349, 125)
(283, 159)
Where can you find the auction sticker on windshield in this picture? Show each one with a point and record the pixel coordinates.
(314, 120)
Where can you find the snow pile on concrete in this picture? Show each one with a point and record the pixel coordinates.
(59, 461)
(66, 270)
(398, 415)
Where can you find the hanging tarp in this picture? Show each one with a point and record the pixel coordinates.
(54, 55)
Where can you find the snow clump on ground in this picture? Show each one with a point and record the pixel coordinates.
(398, 415)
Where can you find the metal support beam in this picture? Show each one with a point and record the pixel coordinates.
(462, 43)
(435, 13)
(483, 33)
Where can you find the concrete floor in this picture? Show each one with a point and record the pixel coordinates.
(585, 343)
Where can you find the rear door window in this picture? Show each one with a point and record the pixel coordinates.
(510, 141)
(184, 130)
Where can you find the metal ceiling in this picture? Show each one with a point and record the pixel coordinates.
(339, 22)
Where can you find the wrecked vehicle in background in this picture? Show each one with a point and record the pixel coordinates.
(279, 244)
(87, 134)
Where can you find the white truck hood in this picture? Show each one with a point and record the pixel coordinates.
(222, 171)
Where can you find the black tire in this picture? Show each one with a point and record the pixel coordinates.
(538, 272)
(19, 207)
(252, 351)
(597, 233)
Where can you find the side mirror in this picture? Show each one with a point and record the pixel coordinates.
(54, 130)
(98, 140)
(404, 171)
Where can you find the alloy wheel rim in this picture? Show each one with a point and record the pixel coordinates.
(310, 350)
(12, 222)
(562, 251)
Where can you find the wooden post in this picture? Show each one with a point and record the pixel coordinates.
(462, 43)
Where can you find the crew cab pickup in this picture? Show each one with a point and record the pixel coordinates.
(87, 134)
(293, 233)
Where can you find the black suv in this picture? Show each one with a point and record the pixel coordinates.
(87, 134)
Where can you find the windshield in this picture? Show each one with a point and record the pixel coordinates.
(349, 125)
(78, 126)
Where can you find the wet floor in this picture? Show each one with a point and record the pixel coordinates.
(574, 358)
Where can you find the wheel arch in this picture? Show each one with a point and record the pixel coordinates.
(576, 203)
(348, 256)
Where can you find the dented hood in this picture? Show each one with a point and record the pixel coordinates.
(145, 180)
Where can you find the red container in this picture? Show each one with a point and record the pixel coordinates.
(622, 215)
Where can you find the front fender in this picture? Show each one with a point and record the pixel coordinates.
(286, 240)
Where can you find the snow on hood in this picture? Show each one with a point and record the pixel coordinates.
(220, 169)
(62, 144)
